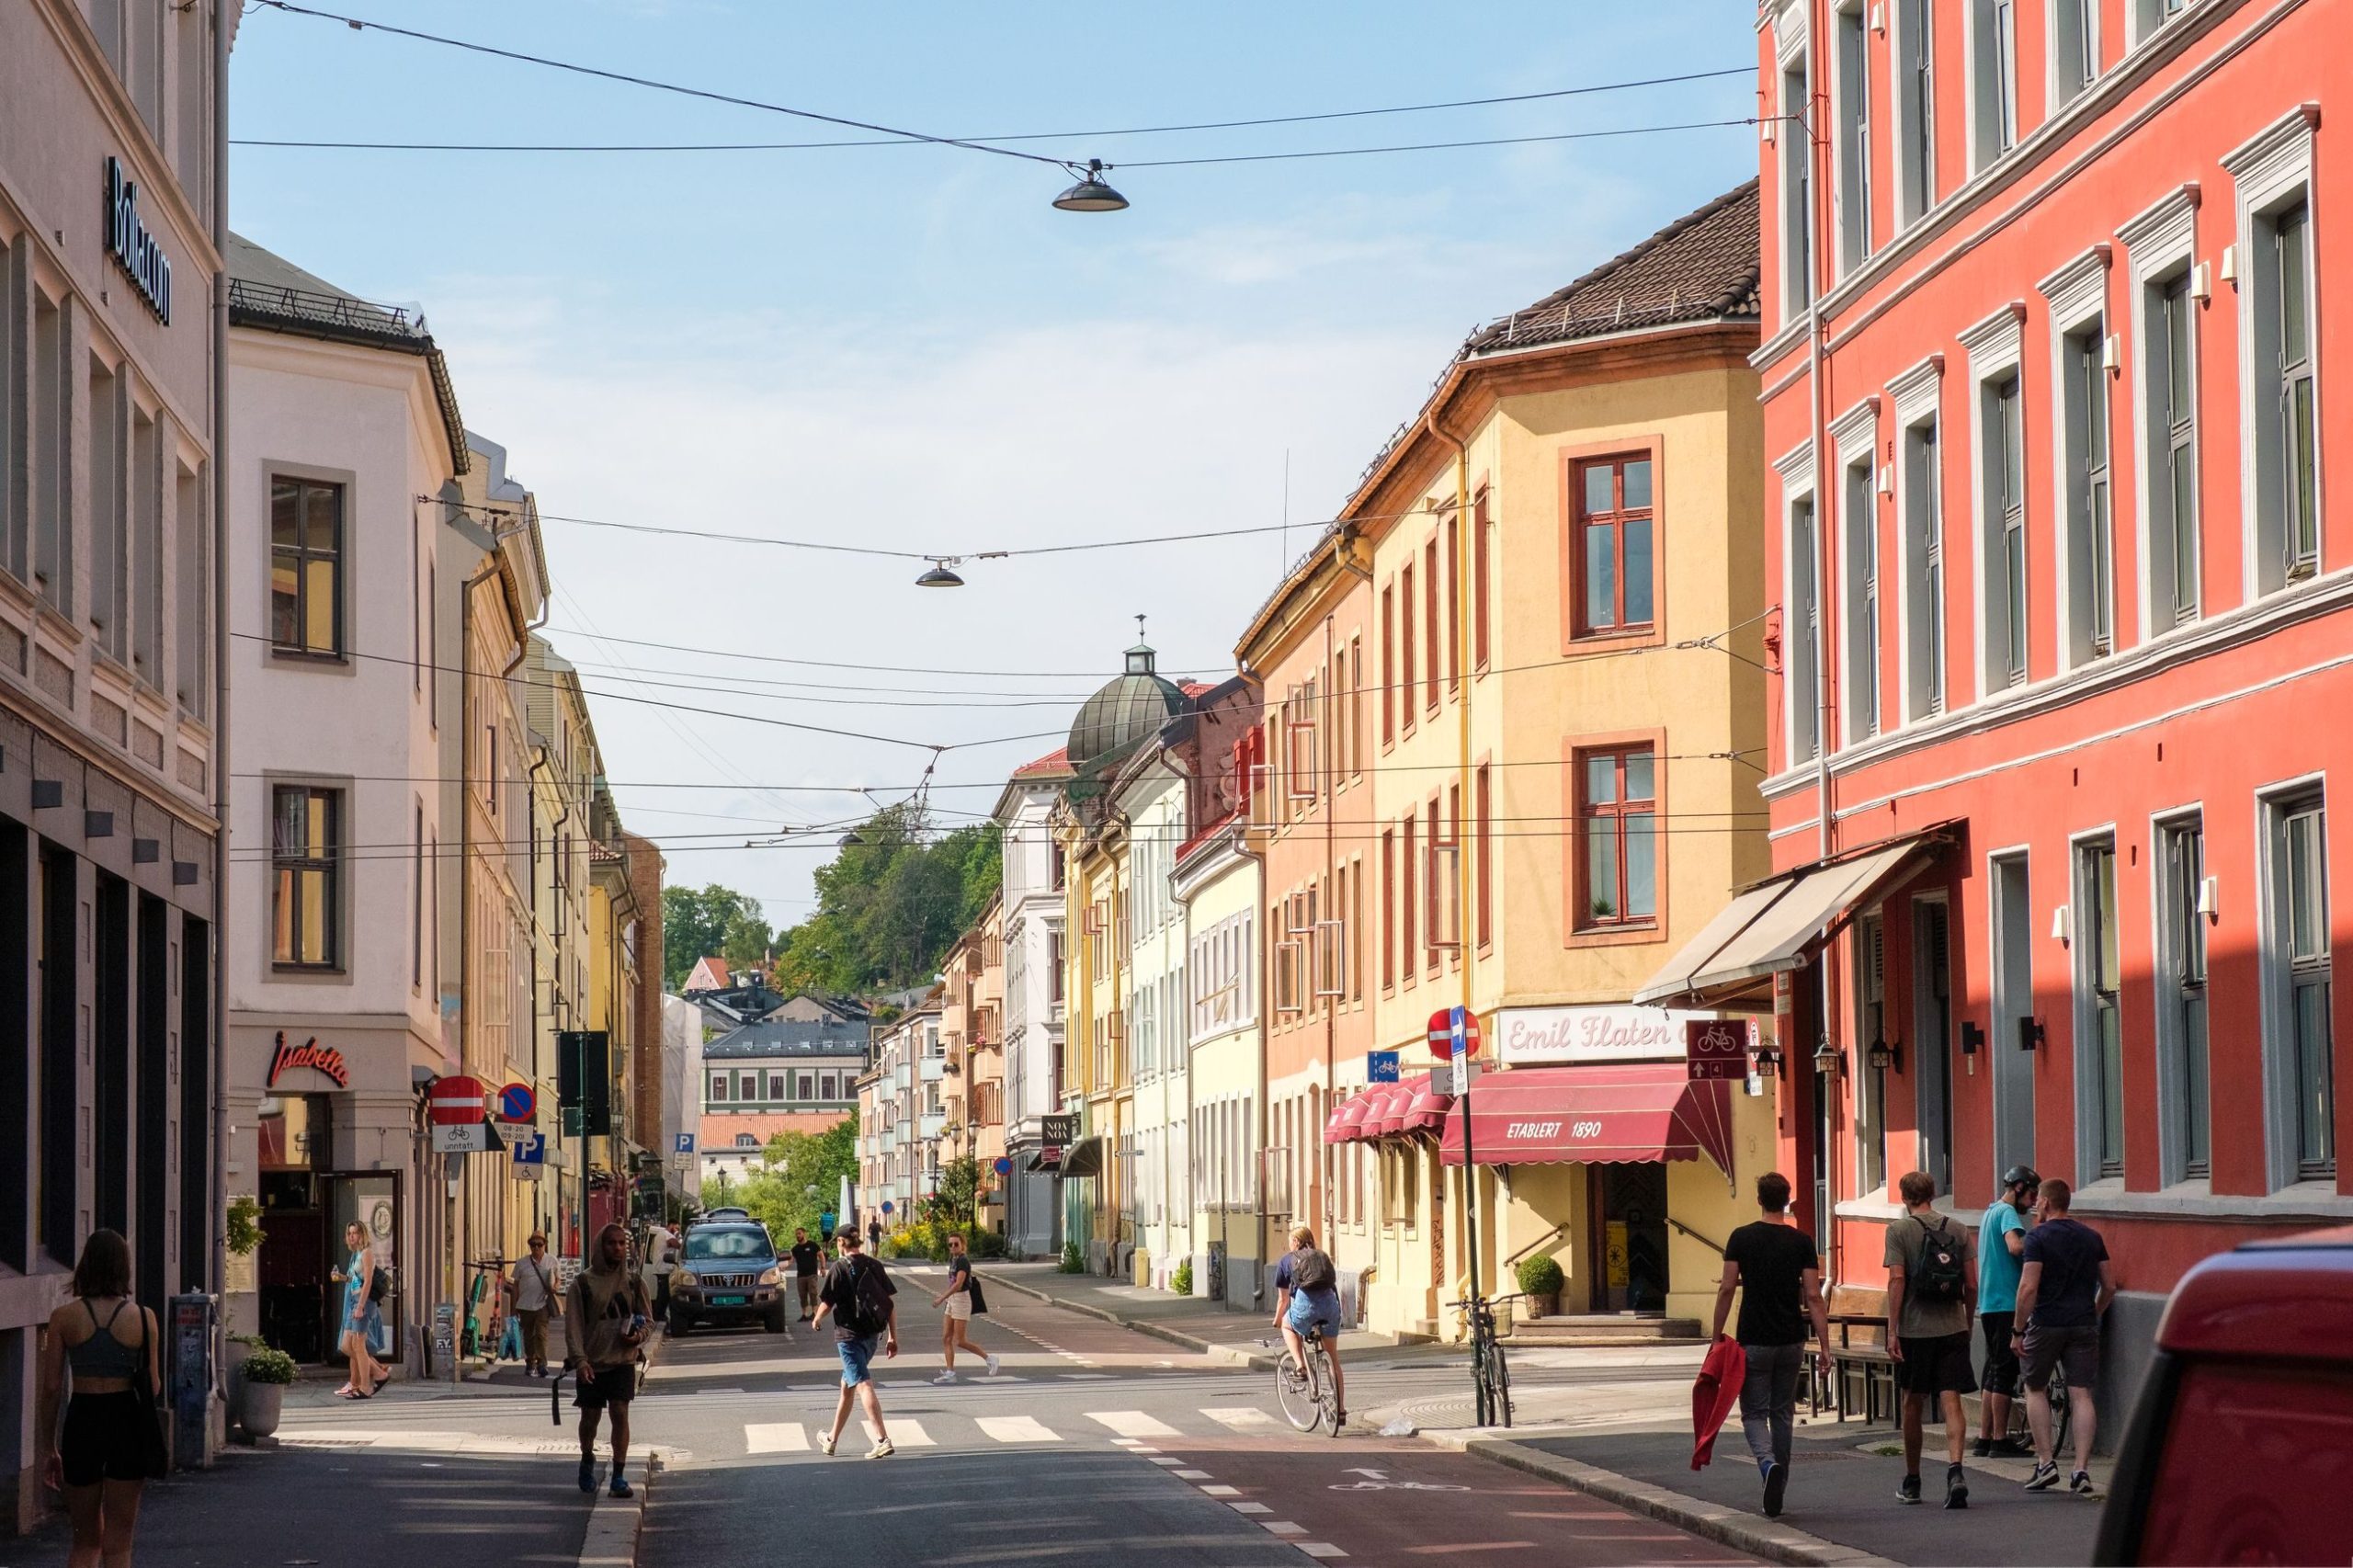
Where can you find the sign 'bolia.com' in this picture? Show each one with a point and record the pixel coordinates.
(134, 247)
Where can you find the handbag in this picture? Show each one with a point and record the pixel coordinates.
(154, 1446)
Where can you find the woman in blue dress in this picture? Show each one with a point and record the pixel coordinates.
(363, 1320)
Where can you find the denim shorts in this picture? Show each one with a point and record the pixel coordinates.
(855, 1355)
(1306, 1311)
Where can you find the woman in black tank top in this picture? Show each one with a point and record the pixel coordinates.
(110, 1444)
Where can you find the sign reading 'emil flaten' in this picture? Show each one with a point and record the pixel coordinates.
(134, 247)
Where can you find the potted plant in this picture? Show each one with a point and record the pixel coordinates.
(1541, 1281)
(268, 1372)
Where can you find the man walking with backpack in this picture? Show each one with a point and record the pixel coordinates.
(1307, 1295)
(1931, 1291)
(858, 1292)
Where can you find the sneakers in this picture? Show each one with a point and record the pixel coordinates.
(826, 1442)
(882, 1450)
(2044, 1478)
(990, 1362)
(1955, 1488)
(1908, 1490)
(947, 1377)
(1776, 1486)
(588, 1474)
(621, 1488)
(2080, 1483)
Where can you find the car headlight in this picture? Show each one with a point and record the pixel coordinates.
(770, 1276)
(686, 1284)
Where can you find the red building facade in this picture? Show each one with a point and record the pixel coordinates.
(2065, 623)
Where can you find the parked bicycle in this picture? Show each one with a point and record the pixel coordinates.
(1312, 1399)
(1490, 1373)
(2023, 1432)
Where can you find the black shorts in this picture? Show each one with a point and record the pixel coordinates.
(611, 1385)
(105, 1439)
(2001, 1356)
(1935, 1365)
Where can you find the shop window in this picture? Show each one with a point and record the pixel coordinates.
(306, 554)
(306, 865)
(1617, 838)
(1613, 548)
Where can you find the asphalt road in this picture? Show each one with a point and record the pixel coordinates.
(1094, 1445)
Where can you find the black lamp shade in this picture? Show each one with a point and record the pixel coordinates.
(1090, 193)
(939, 577)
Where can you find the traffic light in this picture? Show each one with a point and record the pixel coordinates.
(584, 1082)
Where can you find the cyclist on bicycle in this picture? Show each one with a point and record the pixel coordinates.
(1307, 1295)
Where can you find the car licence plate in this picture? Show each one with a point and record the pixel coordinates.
(727, 1300)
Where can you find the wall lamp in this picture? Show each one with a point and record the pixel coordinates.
(1884, 1056)
(1973, 1040)
(1828, 1059)
(2031, 1034)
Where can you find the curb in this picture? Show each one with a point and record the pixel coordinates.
(1255, 1362)
(1715, 1521)
(616, 1524)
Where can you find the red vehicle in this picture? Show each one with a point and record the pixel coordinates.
(2242, 1447)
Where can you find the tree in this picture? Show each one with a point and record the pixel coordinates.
(890, 904)
(779, 1196)
(954, 1200)
(696, 924)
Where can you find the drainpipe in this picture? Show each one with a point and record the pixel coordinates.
(1467, 552)
(217, 1276)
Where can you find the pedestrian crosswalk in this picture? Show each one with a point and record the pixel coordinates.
(1124, 1428)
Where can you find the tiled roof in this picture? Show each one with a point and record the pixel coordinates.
(1055, 764)
(720, 1127)
(716, 968)
(1702, 267)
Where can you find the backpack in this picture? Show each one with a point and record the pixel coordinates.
(1312, 1270)
(867, 1311)
(1942, 1271)
(380, 1285)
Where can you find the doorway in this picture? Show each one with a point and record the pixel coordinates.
(2014, 1063)
(1629, 1237)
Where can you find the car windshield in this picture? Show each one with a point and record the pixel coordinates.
(746, 1241)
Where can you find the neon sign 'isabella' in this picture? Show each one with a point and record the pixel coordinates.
(310, 1053)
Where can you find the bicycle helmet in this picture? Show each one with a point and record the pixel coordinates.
(2020, 1176)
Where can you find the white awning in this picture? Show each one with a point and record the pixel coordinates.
(1773, 926)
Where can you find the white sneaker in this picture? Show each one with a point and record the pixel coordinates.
(882, 1450)
(826, 1442)
(945, 1378)
(990, 1361)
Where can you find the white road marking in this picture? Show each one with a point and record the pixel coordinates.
(1167, 1460)
(775, 1437)
(1250, 1507)
(1240, 1418)
(1087, 1377)
(1126, 1442)
(1132, 1422)
(907, 1431)
(1190, 1474)
(1223, 1491)
(1014, 1429)
(1282, 1527)
(1319, 1549)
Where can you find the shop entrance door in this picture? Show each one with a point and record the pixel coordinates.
(1629, 1237)
(371, 1200)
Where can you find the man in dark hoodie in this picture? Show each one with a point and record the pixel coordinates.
(606, 1317)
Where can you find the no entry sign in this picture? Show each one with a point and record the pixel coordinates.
(1454, 1030)
(457, 1100)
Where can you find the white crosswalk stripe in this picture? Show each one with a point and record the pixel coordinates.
(1132, 1422)
(775, 1437)
(1242, 1418)
(1014, 1429)
(907, 1431)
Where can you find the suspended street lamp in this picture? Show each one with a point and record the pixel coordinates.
(1090, 193)
(939, 576)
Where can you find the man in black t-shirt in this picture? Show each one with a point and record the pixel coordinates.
(1778, 1272)
(806, 1255)
(858, 1295)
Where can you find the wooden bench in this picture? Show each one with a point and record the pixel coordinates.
(1862, 1372)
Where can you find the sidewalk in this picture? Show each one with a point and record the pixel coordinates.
(1622, 1432)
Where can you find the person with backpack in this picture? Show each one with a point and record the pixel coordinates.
(606, 1317)
(365, 1285)
(858, 1294)
(1307, 1295)
(960, 1304)
(1931, 1295)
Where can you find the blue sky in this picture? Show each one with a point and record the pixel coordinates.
(908, 347)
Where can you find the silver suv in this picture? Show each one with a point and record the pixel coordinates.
(727, 1272)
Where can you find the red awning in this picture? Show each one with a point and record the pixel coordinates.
(1388, 1111)
(1345, 1124)
(1425, 1108)
(1599, 1114)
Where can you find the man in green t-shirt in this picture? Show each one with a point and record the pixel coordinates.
(1931, 1293)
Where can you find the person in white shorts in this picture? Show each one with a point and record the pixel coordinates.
(957, 1304)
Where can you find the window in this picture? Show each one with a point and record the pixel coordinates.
(719, 1085)
(1803, 629)
(1854, 137)
(1923, 614)
(1429, 624)
(1355, 714)
(1914, 55)
(1453, 602)
(2173, 438)
(1617, 838)
(776, 1086)
(12, 416)
(1613, 546)
(110, 521)
(1409, 955)
(2098, 1017)
(2005, 431)
(2075, 49)
(2148, 16)
(748, 1086)
(1388, 666)
(829, 1087)
(1480, 586)
(804, 1086)
(2091, 561)
(2298, 947)
(1483, 864)
(306, 567)
(1054, 960)
(416, 904)
(306, 840)
(1994, 63)
(1406, 644)
(1859, 512)
(1870, 1029)
(2184, 1082)
(192, 662)
(145, 515)
(52, 446)
(1442, 921)
(2299, 452)
(1387, 908)
(1797, 191)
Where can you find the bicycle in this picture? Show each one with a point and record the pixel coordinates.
(1311, 1400)
(1490, 1372)
(2022, 1431)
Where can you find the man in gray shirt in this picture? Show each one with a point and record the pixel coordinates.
(1931, 1296)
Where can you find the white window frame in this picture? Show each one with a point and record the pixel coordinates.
(2161, 246)
(2270, 173)
(2077, 298)
(2144, 19)
(2281, 1074)
(1991, 82)
(2172, 904)
(2083, 958)
(2072, 57)
(1797, 472)
(1912, 63)
(1861, 573)
(1994, 347)
(1794, 140)
(1924, 654)
(1850, 113)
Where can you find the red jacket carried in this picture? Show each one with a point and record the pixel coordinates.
(1713, 1396)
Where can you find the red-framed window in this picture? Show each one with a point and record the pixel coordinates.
(1616, 868)
(1616, 537)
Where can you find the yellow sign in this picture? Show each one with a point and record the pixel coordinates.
(1614, 1253)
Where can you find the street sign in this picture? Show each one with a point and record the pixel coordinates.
(1454, 1031)
(1002, 1166)
(531, 1156)
(1455, 1076)
(886, 1206)
(1716, 1048)
(465, 1137)
(683, 1145)
(457, 1100)
(1381, 1067)
(1059, 1130)
(517, 1102)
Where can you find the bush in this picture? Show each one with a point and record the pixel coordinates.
(245, 1224)
(988, 1243)
(1181, 1281)
(1074, 1258)
(269, 1366)
(1540, 1276)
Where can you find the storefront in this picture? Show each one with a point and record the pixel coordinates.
(328, 1138)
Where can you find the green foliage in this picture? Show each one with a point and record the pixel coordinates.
(986, 1243)
(1181, 1280)
(1540, 1276)
(950, 1203)
(265, 1364)
(924, 1238)
(1074, 1258)
(890, 904)
(697, 923)
(245, 1224)
(778, 1195)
